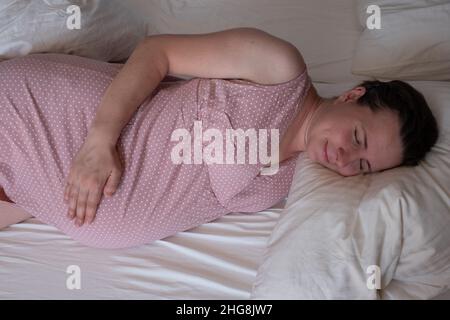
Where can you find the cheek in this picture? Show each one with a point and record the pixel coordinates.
(320, 132)
(352, 169)
(334, 129)
(349, 171)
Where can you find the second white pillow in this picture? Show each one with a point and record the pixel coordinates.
(412, 44)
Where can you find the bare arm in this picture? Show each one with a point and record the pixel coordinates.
(241, 53)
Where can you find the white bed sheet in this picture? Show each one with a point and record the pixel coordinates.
(217, 260)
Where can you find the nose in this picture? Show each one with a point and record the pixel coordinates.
(343, 157)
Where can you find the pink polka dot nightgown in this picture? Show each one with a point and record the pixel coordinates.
(48, 102)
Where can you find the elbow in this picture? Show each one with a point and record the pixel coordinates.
(152, 49)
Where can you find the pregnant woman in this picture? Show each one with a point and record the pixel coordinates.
(86, 146)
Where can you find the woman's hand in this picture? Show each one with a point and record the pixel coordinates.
(96, 169)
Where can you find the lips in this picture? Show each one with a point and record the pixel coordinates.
(325, 152)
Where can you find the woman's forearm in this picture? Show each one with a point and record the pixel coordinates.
(140, 75)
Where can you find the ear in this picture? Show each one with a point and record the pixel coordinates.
(351, 95)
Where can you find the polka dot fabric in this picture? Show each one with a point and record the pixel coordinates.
(238, 104)
(47, 103)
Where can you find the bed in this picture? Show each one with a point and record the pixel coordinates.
(320, 242)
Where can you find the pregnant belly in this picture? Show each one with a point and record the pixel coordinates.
(132, 218)
(49, 114)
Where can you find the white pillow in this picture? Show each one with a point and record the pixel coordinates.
(109, 30)
(328, 50)
(333, 229)
(412, 44)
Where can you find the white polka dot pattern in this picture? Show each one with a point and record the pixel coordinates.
(47, 103)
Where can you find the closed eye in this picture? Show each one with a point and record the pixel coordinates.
(358, 143)
(356, 137)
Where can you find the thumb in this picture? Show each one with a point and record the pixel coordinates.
(112, 183)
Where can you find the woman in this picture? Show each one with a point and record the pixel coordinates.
(71, 127)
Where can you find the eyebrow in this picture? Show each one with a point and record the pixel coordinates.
(365, 146)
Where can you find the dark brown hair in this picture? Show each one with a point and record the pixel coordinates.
(419, 130)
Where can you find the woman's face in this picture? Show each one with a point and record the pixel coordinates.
(351, 139)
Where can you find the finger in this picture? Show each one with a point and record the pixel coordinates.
(81, 206)
(67, 188)
(67, 192)
(92, 203)
(113, 182)
(73, 197)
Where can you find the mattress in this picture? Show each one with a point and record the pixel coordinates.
(217, 260)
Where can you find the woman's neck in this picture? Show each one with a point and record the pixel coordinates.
(294, 140)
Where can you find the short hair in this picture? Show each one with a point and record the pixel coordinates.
(419, 130)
